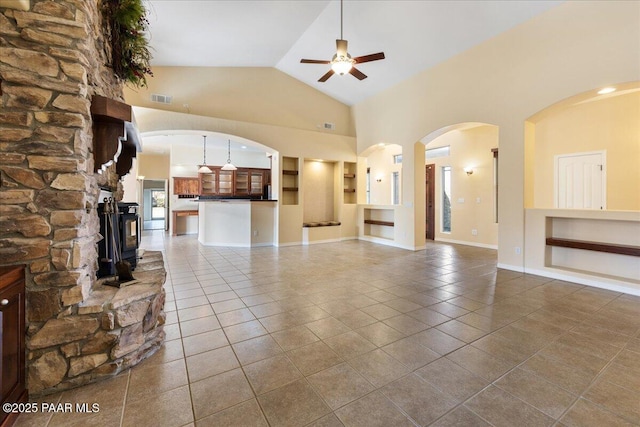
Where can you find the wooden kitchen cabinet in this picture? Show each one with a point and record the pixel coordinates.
(242, 182)
(12, 339)
(186, 186)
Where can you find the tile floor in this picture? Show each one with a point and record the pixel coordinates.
(358, 334)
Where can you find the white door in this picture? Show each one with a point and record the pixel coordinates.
(580, 181)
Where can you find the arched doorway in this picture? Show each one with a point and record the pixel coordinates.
(461, 184)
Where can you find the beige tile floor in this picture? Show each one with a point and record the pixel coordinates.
(358, 334)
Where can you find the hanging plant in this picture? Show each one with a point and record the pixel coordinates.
(127, 27)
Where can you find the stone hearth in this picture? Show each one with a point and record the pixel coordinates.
(114, 329)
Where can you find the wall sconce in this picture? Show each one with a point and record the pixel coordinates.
(469, 170)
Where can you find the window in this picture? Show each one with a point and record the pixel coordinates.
(368, 185)
(157, 204)
(395, 188)
(434, 153)
(446, 199)
(397, 159)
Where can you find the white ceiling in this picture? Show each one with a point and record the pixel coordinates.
(413, 34)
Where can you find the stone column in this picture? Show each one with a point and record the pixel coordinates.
(53, 59)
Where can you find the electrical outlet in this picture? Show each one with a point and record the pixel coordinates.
(255, 233)
(474, 232)
(518, 250)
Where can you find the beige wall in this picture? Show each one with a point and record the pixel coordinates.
(255, 95)
(318, 186)
(472, 196)
(380, 162)
(572, 48)
(153, 166)
(611, 124)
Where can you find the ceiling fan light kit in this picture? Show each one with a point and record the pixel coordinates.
(342, 63)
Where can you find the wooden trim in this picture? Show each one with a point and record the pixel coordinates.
(595, 246)
(289, 188)
(349, 190)
(349, 175)
(376, 222)
(289, 172)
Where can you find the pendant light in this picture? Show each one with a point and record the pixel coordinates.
(204, 168)
(229, 166)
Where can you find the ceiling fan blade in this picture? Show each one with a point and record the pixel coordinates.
(369, 58)
(314, 61)
(341, 47)
(357, 73)
(326, 76)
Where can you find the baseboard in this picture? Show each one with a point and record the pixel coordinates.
(315, 242)
(466, 243)
(587, 280)
(510, 267)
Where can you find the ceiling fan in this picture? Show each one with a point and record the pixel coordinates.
(342, 62)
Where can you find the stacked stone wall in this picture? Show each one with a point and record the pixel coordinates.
(53, 59)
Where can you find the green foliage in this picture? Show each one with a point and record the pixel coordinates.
(128, 24)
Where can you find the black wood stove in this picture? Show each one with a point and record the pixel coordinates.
(120, 227)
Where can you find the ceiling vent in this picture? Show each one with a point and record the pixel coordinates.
(162, 99)
(329, 126)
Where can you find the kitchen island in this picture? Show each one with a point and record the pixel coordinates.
(236, 222)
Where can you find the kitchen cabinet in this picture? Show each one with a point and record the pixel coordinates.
(12, 339)
(186, 186)
(243, 182)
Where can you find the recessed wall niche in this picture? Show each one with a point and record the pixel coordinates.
(319, 191)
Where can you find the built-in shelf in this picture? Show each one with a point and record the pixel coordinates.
(595, 246)
(290, 170)
(379, 222)
(376, 222)
(349, 181)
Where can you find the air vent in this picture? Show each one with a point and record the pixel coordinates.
(329, 126)
(162, 99)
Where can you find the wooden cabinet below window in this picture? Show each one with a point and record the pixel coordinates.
(186, 186)
(12, 345)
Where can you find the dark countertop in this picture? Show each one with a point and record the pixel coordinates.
(233, 199)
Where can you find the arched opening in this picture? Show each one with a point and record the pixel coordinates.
(171, 155)
(383, 164)
(461, 184)
(583, 125)
(582, 188)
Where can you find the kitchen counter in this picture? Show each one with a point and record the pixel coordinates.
(236, 222)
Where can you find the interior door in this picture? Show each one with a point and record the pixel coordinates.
(580, 181)
(430, 180)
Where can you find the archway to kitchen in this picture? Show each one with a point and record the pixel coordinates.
(174, 157)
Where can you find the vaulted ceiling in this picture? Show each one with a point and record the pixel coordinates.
(414, 35)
